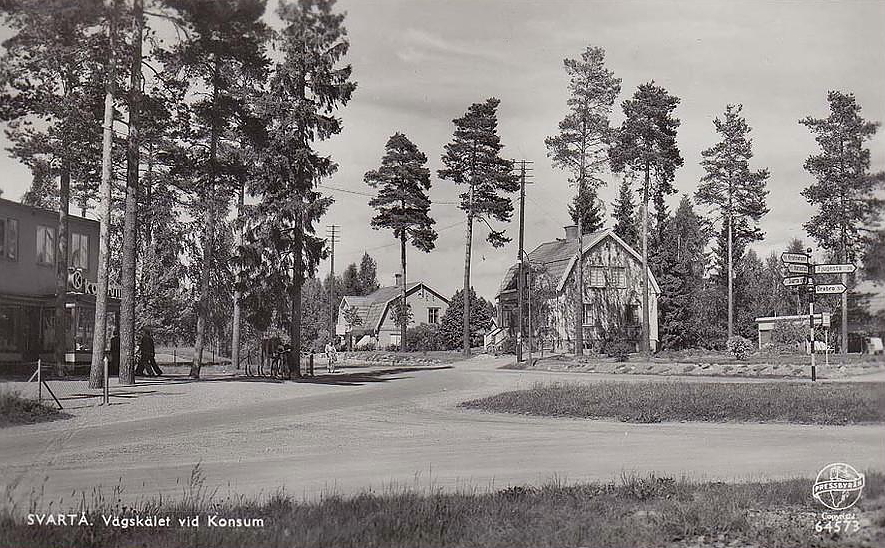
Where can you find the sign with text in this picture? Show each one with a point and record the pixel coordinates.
(801, 258)
(794, 281)
(834, 268)
(796, 268)
(825, 289)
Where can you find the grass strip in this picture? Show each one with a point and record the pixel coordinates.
(636, 511)
(650, 402)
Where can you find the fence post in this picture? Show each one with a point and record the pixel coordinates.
(39, 380)
(310, 364)
(105, 364)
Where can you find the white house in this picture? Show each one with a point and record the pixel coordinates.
(374, 312)
(612, 290)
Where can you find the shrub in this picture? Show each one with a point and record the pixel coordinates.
(787, 336)
(739, 347)
(424, 337)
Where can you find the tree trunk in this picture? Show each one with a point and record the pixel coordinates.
(465, 323)
(203, 299)
(127, 302)
(295, 298)
(404, 308)
(61, 278)
(208, 240)
(730, 279)
(235, 329)
(579, 287)
(99, 331)
(646, 335)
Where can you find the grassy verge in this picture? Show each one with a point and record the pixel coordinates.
(636, 511)
(14, 410)
(804, 403)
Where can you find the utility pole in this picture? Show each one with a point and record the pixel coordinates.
(520, 273)
(333, 234)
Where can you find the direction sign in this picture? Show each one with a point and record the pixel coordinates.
(801, 258)
(796, 268)
(829, 288)
(834, 268)
(794, 280)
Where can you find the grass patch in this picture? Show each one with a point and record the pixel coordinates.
(635, 511)
(15, 410)
(648, 402)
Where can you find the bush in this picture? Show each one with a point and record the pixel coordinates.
(425, 337)
(618, 349)
(739, 347)
(788, 336)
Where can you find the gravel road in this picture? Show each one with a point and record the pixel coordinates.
(372, 428)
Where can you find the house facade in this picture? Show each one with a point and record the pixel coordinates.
(28, 262)
(370, 319)
(612, 273)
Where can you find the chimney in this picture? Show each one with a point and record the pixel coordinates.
(398, 280)
(571, 232)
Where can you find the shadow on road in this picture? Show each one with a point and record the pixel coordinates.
(343, 378)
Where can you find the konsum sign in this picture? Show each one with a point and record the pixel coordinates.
(77, 283)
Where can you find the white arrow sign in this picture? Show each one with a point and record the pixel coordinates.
(834, 268)
(795, 280)
(829, 288)
(794, 258)
(796, 268)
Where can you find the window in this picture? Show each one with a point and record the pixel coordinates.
(8, 238)
(80, 251)
(631, 314)
(615, 277)
(588, 314)
(45, 245)
(619, 277)
(433, 315)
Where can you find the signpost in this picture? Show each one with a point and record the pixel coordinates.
(800, 263)
(829, 289)
(795, 281)
(834, 268)
(796, 268)
(800, 258)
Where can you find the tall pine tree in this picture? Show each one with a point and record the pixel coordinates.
(845, 189)
(646, 147)
(402, 203)
(224, 43)
(736, 193)
(624, 215)
(474, 158)
(581, 148)
(307, 87)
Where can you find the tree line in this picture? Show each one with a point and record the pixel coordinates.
(192, 128)
(703, 261)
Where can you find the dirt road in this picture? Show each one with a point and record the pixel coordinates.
(366, 429)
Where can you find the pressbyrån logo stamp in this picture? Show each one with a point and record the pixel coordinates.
(838, 486)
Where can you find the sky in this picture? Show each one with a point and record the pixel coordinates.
(420, 64)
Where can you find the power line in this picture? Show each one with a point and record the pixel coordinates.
(369, 195)
(447, 227)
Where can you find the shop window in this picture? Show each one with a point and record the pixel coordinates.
(8, 328)
(80, 251)
(85, 318)
(8, 238)
(45, 245)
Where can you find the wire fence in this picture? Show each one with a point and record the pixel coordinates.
(68, 391)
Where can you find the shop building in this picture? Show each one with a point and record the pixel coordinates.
(28, 260)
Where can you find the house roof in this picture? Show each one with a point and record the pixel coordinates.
(371, 308)
(558, 257)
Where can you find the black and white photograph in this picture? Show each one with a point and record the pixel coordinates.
(442, 273)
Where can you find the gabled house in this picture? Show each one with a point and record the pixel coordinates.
(612, 292)
(369, 319)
